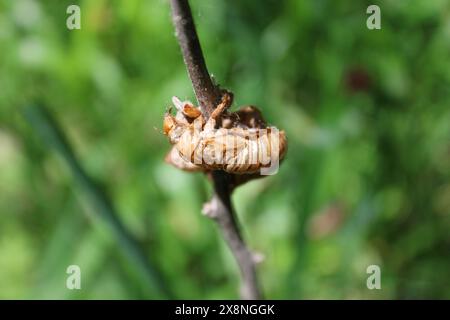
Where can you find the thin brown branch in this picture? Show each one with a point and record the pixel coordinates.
(208, 95)
(206, 92)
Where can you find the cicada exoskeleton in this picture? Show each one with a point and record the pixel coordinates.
(236, 142)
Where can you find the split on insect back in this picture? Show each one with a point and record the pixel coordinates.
(240, 143)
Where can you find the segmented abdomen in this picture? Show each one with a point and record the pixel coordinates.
(234, 150)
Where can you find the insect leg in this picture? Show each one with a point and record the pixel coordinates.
(177, 103)
(227, 98)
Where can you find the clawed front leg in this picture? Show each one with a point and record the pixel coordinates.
(224, 104)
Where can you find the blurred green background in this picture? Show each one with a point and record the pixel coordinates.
(365, 181)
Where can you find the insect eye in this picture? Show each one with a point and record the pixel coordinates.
(191, 111)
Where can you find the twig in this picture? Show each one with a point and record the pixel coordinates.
(206, 92)
(208, 95)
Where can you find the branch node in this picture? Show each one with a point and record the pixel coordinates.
(258, 257)
(210, 208)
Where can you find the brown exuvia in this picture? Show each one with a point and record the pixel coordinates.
(236, 142)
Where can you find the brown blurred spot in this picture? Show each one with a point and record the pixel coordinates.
(326, 221)
(357, 79)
